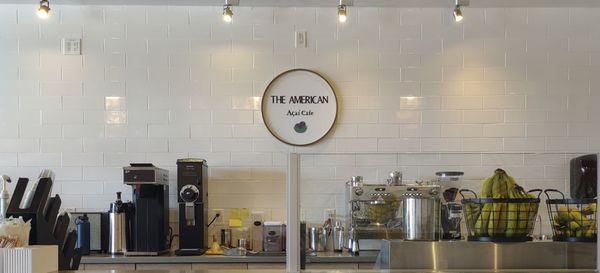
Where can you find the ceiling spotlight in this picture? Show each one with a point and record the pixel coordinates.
(342, 13)
(343, 10)
(227, 13)
(458, 4)
(43, 11)
(457, 14)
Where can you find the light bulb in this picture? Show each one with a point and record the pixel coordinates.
(457, 14)
(43, 11)
(227, 14)
(342, 14)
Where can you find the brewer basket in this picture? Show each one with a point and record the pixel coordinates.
(499, 219)
(572, 220)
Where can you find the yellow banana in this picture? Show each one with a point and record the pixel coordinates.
(589, 209)
(591, 231)
(556, 220)
(573, 225)
(481, 225)
(532, 209)
(566, 214)
(511, 182)
(497, 223)
(486, 190)
(563, 213)
(512, 227)
(576, 215)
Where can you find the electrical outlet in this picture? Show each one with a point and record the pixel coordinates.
(71, 46)
(301, 39)
(218, 220)
(257, 216)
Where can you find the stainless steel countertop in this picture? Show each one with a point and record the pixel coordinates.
(453, 255)
(332, 271)
(324, 257)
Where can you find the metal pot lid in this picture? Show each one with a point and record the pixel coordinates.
(449, 173)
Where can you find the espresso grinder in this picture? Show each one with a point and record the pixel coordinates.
(192, 180)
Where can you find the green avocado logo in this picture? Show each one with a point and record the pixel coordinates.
(300, 127)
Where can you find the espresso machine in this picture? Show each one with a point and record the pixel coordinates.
(149, 215)
(192, 180)
(391, 210)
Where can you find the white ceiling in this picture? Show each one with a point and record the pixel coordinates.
(318, 3)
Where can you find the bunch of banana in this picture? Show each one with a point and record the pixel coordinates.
(504, 219)
(571, 222)
(483, 215)
(521, 216)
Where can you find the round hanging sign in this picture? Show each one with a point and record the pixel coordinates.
(299, 107)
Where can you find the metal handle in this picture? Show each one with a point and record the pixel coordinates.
(539, 191)
(553, 190)
(466, 190)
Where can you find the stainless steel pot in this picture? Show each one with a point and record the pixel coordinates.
(421, 214)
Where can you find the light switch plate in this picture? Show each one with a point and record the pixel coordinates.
(71, 46)
(301, 39)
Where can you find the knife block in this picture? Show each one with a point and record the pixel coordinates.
(47, 227)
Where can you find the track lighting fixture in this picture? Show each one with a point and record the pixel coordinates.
(458, 4)
(457, 14)
(227, 14)
(228, 10)
(43, 11)
(342, 14)
(343, 10)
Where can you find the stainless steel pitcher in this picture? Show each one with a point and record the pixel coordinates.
(421, 215)
(338, 237)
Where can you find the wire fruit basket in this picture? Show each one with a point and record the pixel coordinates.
(500, 219)
(572, 220)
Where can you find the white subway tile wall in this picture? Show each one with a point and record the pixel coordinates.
(157, 83)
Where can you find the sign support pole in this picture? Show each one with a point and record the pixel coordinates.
(293, 214)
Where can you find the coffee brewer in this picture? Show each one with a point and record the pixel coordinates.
(192, 180)
(149, 216)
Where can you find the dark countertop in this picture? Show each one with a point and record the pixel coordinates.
(322, 257)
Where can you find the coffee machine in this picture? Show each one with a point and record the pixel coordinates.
(149, 216)
(393, 210)
(192, 180)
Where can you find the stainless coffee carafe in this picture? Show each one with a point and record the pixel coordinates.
(118, 226)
